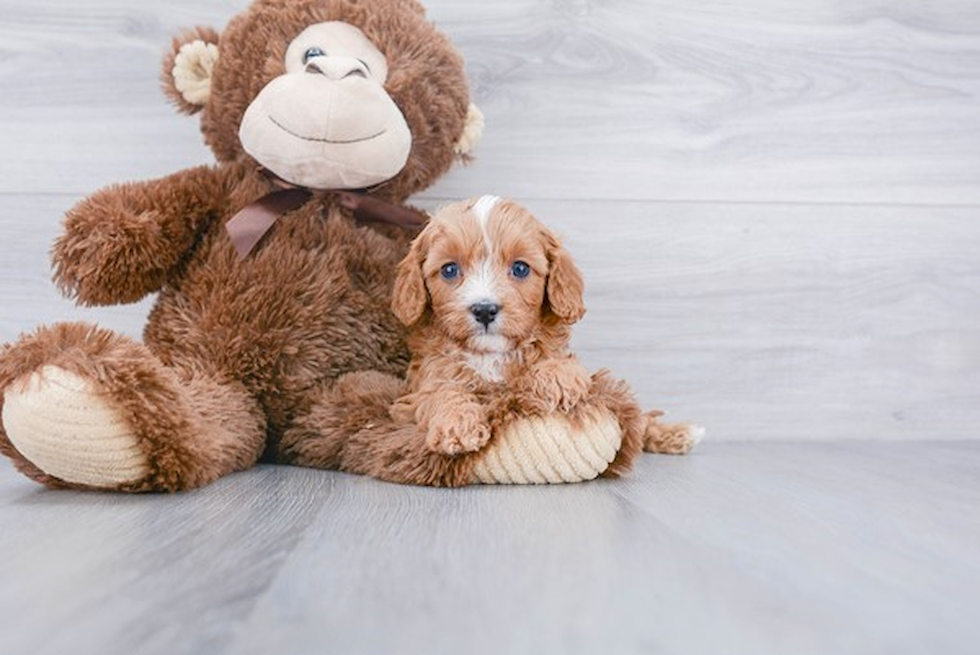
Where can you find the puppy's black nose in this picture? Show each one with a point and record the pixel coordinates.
(485, 312)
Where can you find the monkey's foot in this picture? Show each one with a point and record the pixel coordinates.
(70, 429)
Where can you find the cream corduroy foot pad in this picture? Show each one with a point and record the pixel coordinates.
(67, 428)
(549, 451)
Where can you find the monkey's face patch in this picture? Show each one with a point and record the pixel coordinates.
(339, 94)
(328, 122)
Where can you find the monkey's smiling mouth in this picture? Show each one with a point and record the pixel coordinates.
(331, 141)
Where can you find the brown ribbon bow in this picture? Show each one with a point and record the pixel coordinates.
(252, 222)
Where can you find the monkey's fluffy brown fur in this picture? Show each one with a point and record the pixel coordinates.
(291, 351)
(239, 353)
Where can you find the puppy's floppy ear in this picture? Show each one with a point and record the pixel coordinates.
(410, 297)
(564, 288)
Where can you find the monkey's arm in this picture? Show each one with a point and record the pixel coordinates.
(121, 242)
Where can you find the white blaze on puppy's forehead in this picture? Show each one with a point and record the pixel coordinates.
(482, 209)
(481, 286)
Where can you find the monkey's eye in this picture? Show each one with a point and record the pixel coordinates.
(520, 269)
(313, 52)
(450, 271)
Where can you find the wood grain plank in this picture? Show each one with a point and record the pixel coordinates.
(762, 548)
(759, 321)
(530, 570)
(786, 321)
(29, 225)
(881, 533)
(617, 100)
(99, 573)
(855, 547)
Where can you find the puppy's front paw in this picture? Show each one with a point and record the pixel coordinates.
(571, 389)
(555, 386)
(457, 433)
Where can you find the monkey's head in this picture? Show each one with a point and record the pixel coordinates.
(329, 94)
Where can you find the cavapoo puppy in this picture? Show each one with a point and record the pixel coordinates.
(490, 295)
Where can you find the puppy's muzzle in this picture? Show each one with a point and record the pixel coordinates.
(485, 312)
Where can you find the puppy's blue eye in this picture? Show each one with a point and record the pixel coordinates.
(313, 52)
(450, 271)
(520, 269)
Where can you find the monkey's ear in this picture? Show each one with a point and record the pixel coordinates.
(188, 67)
(410, 297)
(472, 132)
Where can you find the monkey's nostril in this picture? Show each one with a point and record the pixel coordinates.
(312, 67)
(337, 68)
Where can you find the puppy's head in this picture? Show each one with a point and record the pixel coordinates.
(488, 275)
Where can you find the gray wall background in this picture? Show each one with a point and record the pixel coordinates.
(775, 206)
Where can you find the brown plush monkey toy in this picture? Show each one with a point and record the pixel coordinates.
(274, 267)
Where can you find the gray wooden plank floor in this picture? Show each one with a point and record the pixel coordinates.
(776, 209)
(832, 547)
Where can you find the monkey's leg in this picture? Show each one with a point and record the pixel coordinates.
(85, 408)
(348, 428)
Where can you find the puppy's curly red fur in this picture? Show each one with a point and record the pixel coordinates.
(473, 370)
(469, 377)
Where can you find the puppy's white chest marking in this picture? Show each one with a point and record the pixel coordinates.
(489, 366)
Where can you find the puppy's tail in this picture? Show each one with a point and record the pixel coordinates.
(669, 438)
